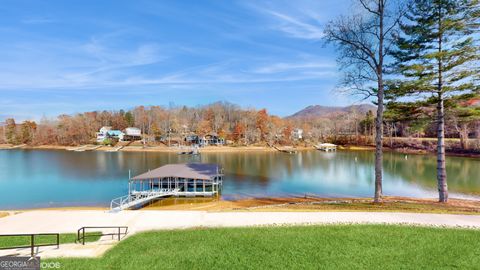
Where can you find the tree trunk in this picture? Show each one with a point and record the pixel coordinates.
(378, 145)
(464, 136)
(356, 131)
(441, 170)
(379, 121)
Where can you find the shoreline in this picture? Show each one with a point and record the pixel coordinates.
(232, 149)
(408, 151)
(160, 149)
(292, 204)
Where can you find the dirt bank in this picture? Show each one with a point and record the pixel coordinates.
(320, 204)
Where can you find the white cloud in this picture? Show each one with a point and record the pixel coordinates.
(60, 64)
(297, 19)
(296, 27)
(295, 66)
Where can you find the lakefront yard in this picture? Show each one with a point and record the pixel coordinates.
(292, 247)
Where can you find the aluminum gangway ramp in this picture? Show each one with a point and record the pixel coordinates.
(139, 198)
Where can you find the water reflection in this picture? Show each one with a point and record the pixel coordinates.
(39, 178)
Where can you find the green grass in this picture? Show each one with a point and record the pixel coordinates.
(309, 247)
(65, 238)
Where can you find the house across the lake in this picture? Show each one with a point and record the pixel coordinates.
(187, 180)
(102, 133)
(132, 134)
(107, 132)
(129, 134)
(297, 134)
(212, 139)
(209, 139)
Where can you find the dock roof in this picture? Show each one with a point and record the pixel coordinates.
(204, 171)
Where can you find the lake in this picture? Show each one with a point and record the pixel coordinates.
(53, 178)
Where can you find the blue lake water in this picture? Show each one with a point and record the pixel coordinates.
(52, 178)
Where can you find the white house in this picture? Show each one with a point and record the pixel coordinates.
(102, 133)
(108, 132)
(297, 134)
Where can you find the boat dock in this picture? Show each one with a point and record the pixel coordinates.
(18, 146)
(188, 180)
(327, 147)
(116, 149)
(84, 148)
(12, 146)
(191, 151)
(288, 150)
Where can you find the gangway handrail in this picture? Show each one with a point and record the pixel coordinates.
(139, 196)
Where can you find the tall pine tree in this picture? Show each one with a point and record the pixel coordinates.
(437, 59)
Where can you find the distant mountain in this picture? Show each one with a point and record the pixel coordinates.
(330, 111)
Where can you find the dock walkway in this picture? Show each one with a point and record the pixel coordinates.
(137, 199)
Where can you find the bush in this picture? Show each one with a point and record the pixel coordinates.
(108, 141)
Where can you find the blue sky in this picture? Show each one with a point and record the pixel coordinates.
(74, 56)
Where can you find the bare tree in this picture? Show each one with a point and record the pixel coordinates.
(363, 41)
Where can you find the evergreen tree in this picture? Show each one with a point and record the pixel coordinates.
(437, 58)
(11, 131)
(129, 119)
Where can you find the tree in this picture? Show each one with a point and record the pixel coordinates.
(141, 119)
(435, 56)
(27, 132)
(11, 131)
(238, 132)
(463, 115)
(287, 133)
(262, 123)
(363, 41)
(129, 119)
(367, 124)
(46, 132)
(204, 128)
(413, 113)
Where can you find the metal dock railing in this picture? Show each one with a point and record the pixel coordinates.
(139, 198)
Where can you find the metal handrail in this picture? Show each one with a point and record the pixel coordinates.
(83, 235)
(32, 241)
(137, 195)
(118, 202)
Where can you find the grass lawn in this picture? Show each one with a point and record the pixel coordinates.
(308, 247)
(65, 238)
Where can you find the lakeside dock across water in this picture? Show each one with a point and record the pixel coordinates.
(327, 147)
